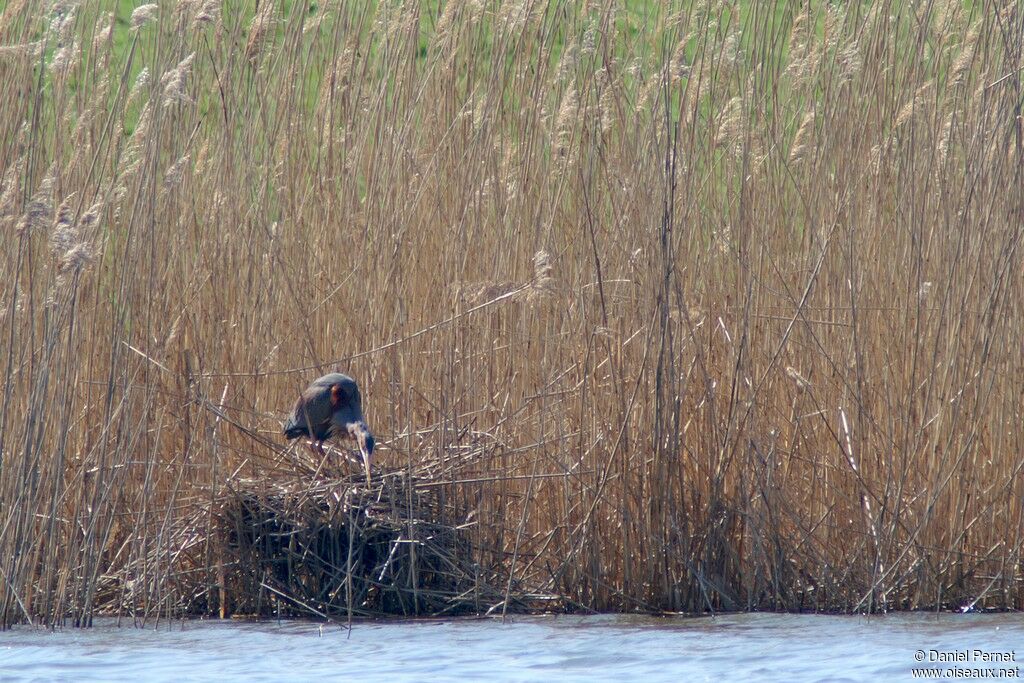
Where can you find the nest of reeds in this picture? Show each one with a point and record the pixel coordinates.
(308, 536)
(333, 546)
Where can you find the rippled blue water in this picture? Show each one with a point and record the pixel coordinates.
(759, 647)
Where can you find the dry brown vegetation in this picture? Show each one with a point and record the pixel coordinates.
(709, 306)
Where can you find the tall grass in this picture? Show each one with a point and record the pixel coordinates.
(729, 294)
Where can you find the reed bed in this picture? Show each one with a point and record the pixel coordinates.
(678, 306)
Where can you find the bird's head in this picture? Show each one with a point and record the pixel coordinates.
(360, 433)
(362, 436)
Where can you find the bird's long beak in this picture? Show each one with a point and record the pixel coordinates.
(361, 433)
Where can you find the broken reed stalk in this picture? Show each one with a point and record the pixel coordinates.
(739, 282)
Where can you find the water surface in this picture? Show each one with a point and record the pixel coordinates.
(759, 647)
